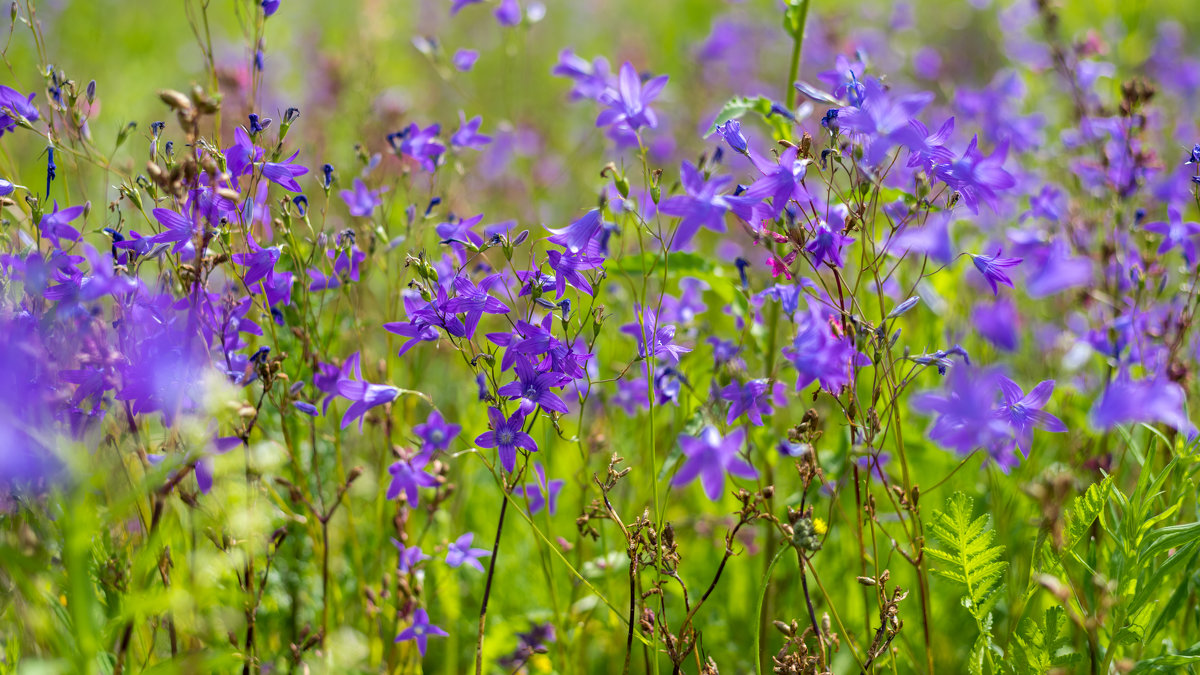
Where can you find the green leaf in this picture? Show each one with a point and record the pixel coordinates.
(969, 558)
(1083, 511)
(1042, 648)
(737, 107)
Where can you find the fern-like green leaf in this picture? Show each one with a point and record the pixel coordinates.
(1083, 511)
(967, 554)
(1038, 649)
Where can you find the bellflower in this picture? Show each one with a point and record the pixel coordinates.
(284, 174)
(362, 395)
(826, 245)
(460, 553)
(474, 301)
(13, 102)
(977, 177)
(542, 493)
(407, 476)
(710, 457)
(576, 236)
(817, 355)
(965, 417)
(410, 557)
(464, 59)
(468, 135)
(992, 268)
(420, 630)
(360, 200)
(782, 181)
(506, 435)
(1023, 412)
(533, 388)
(436, 433)
(701, 206)
(751, 399)
(629, 102)
(1177, 234)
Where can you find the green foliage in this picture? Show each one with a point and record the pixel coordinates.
(968, 557)
(1039, 648)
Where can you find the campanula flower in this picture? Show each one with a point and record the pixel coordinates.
(436, 433)
(13, 102)
(420, 630)
(468, 135)
(460, 553)
(506, 435)
(710, 457)
(542, 493)
(992, 268)
(361, 201)
(409, 475)
(362, 395)
(1023, 412)
(1176, 233)
(629, 102)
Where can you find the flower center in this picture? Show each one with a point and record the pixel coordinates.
(505, 436)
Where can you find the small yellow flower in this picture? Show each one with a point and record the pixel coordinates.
(819, 526)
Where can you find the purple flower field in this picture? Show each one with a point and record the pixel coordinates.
(530, 337)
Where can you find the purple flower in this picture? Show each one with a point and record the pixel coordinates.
(242, 155)
(410, 557)
(629, 102)
(179, 229)
(459, 552)
(533, 388)
(826, 245)
(363, 395)
(576, 236)
(508, 13)
(464, 59)
(1024, 411)
(998, 323)
(592, 80)
(506, 435)
(468, 135)
(259, 262)
(710, 457)
(419, 144)
(457, 5)
(436, 433)
(420, 630)
(976, 177)
(751, 399)
(781, 181)
(54, 225)
(1157, 399)
(537, 493)
(474, 301)
(817, 355)
(270, 7)
(731, 131)
(284, 174)
(701, 206)
(407, 476)
(661, 338)
(965, 415)
(883, 121)
(568, 270)
(13, 102)
(992, 268)
(361, 201)
(1177, 233)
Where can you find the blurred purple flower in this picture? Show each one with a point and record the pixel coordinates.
(460, 553)
(629, 102)
(710, 457)
(420, 630)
